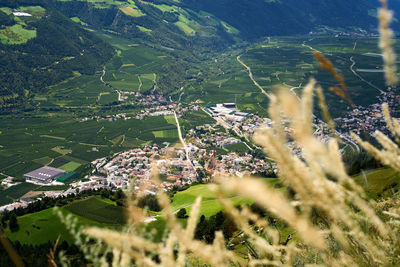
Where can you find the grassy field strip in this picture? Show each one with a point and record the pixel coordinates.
(53, 137)
(377, 181)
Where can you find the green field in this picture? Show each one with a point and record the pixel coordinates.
(239, 148)
(192, 119)
(70, 166)
(39, 228)
(287, 62)
(210, 204)
(173, 133)
(98, 210)
(44, 226)
(379, 182)
(16, 34)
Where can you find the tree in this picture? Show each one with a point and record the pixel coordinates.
(13, 223)
(149, 201)
(181, 214)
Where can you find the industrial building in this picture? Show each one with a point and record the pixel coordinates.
(228, 111)
(44, 175)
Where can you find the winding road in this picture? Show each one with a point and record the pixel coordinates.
(361, 78)
(108, 85)
(252, 77)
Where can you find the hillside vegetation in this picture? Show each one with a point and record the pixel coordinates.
(41, 50)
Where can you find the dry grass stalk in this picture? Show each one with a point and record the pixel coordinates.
(52, 254)
(327, 65)
(309, 178)
(386, 44)
(324, 108)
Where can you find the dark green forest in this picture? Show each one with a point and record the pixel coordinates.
(60, 50)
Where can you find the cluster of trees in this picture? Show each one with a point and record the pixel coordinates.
(357, 161)
(205, 229)
(5, 19)
(150, 201)
(35, 255)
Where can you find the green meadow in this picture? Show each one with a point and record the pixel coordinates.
(379, 182)
(44, 226)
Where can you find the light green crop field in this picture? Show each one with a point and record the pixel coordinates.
(185, 28)
(16, 34)
(209, 206)
(70, 166)
(170, 119)
(78, 20)
(173, 133)
(188, 196)
(132, 11)
(143, 29)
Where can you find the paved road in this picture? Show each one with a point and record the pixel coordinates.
(361, 78)
(178, 126)
(310, 47)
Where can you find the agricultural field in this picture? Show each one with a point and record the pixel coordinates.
(133, 68)
(15, 192)
(61, 141)
(44, 226)
(98, 210)
(287, 62)
(209, 206)
(238, 148)
(192, 119)
(70, 166)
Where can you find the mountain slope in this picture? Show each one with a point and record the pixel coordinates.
(257, 18)
(167, 24)
(217, 22)
(42, 49)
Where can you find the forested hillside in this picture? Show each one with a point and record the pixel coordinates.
(56, 42)
(42, 49)
(257, 18)
(166, 23)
